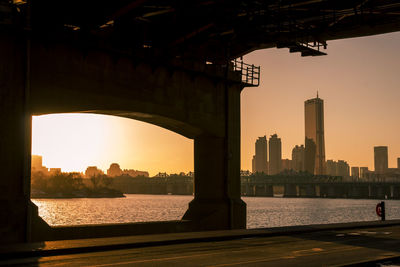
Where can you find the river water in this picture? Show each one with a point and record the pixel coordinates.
(261, 211)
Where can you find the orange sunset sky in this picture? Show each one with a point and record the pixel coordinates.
(359, 81)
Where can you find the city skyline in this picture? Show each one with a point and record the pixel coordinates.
(361, 112)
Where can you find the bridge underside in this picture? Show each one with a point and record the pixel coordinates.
(203, 29)
(163, 62)
(199, 102)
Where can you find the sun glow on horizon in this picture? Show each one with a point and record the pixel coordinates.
(73, 142)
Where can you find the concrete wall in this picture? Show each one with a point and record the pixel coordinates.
(195, 100)
(15, 147)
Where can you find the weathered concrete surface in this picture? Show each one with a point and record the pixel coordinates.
(193, 99)
(318, 245)
(15, 132)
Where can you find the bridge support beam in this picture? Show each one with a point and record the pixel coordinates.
(16, 209)
(217, 203)
(290, 190)
(395, 192)
(307, 190)
(217, 200)
(358, 191)
(65, 78)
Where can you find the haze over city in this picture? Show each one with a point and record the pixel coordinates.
(358, 81)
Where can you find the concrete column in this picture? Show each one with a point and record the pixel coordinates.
(323, 190)
(307, 191)
(332, 191)
(358, 191)
(212, 207)
(290, 190)
(15, 138)
(396, 192)
(217, 203)
(269, 190)
(264, 191)
(380, 192)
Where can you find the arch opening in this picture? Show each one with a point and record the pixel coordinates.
(80, 163)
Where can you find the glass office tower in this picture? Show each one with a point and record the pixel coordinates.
(314, 136)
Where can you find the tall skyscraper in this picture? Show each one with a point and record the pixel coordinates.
(314, 136)
(260, 163)
(381, 159)
(298, 158)
(275, 154)
(398, 163)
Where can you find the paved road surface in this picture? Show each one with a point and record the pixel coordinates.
(324, 248)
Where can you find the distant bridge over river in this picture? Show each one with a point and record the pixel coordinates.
(289, 186)
(320, 186)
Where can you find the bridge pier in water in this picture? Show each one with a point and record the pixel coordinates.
(217, 203)
(308, 190)
(263, 190)
(290, 190)
(358, 191)
(395, 192)
(377, 191)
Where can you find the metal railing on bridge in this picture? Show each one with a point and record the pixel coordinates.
(250, 73)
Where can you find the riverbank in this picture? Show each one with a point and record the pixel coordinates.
(88, 193)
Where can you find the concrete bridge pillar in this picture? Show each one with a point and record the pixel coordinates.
(358, 191)
(307, 191)
(378, 191)
(383, 191)
(269, 190)
(395, 192)
(330, 191)
(217, 203)
(252, 190)
(290, 190)
(15, 141)
(264, 191)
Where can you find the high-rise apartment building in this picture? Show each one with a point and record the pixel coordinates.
(330, 166)
(381, 159)
(314, 136)
(260, 159)
(298, 158)
(342, 168)
(337, 168)
(36, 162)
(275, 154)
(355, 172)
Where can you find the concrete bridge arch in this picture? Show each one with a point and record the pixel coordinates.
(193, 99)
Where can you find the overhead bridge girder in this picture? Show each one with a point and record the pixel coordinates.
(305, 50)
(45, 77)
